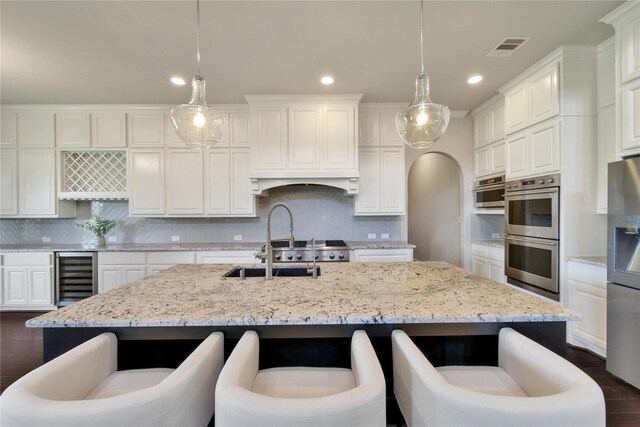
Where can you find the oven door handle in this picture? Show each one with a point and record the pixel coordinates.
(489, 187)
(531, 240)
(521, 192)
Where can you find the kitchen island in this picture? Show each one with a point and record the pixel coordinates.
(187, 302)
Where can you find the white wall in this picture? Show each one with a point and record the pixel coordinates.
(457, 142)
(434, 208)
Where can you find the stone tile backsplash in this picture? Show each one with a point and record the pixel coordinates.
(321, 212)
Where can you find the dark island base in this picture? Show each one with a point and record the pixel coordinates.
(314, 345)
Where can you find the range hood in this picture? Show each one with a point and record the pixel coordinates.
(304, 139)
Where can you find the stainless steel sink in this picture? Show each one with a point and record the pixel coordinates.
(277, 272)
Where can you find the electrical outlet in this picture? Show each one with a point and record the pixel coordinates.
(112, 239)
(175, 238)
(237, 237)
(372, 235)
(384, 235)
(46, 239)
(495, 235)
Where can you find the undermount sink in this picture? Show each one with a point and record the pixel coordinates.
(277, 272)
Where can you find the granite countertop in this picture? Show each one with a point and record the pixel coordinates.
(490, 242)
(134, 247)
(600, 261)
(379, 244)
(345, 293)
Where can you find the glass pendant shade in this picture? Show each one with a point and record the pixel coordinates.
(423, 122)
(197, 124)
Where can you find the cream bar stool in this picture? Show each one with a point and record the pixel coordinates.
(83, 387)
(531, 386)
(298, 396)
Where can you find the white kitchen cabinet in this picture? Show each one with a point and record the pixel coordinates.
(606, 73)
(482, 128)
(389, 135)
(217, 183)
(382, 182)
(381, 255)
(73, 129)
(242, 200)
(488, 261)
(489, 133)
(305, 137)
(482, 161)
(8, 182)
(146, 128)
(185, 182)
(630, 116)
(226, 257)
(533, 100)
(37, 182)
(269, 138)
(159, 261)
(490, 160)
(535, 151)
(239, 129)
(479, 266)
(587, 289)
(36, 129)
(146, 180)
(339, 138)
(629, 30)
(369, 128)
(119, 268)
(377, 125)
(606, 152)
(108, 129)
(8, 130)
(27, 281)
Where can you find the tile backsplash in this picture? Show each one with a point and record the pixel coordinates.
(321, 212)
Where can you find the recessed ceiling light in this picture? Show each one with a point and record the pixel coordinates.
(327, 80)
(474, 79)
(178, 81)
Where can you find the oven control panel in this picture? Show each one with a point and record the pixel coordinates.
(545, 181)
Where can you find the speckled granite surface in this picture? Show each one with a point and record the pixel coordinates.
(600, 261)
(495, 242)
(380, 244)
(133, 247)
(351, 293)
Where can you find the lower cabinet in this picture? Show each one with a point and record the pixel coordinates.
(119, 268)
(381, 255)
(488, 261)
(587, 295)
(27, 281)
(226, 257)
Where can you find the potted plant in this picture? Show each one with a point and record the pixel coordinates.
(98, 226)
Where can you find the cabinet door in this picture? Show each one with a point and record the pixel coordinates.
(339, 138)
(146, 128)
(305, 137)
(479, 266)
(216, 184)
(606, 151)
(146, 182)
(8, 182)
(630, 115)
(630, 47)
(545, 148)
(497, 121)
(239, 129)
(369, 124)
(497, 157)
(108, 130)
(36, 130)
(483, 165)
(8, 130)
(545, 94)
(36, 182)
(269, 138)
(73, 130)
(39, 286)
(368, 198)
(516, 108)
(388, 133)
(242, 199)
(495, 271)
(587, 289)
(109, 277)
(131, 273)
(517, 156)
(606, 76)
(392, 177)
(185, 192)
(15, 280)
(482, 127)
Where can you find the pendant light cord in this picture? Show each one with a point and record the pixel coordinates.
(198, 34)
(422, 34)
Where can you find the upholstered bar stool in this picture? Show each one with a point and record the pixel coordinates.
(300, 396)
(83, 387)
(531, 386)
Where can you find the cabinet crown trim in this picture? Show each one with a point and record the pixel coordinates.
(619, 13)
(288, 99)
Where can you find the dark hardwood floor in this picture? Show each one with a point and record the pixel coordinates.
(21, 352)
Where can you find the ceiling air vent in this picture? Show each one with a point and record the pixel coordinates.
(507, 46)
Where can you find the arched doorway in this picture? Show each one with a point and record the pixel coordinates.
(435, 202)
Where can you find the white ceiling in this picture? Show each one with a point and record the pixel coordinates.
(120, 52)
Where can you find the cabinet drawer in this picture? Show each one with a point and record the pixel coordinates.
(589, 274)
(381, 255)
(478, 250)
(225, 257)
(27, 259)
(175, 257)
(106, 258)
(495, 253)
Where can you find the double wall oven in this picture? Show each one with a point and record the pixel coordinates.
(532, 234)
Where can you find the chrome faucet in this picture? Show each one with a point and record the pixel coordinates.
(267, 254)
(313, 272)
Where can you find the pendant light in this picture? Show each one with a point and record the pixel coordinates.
(198, 125)
(423, 122)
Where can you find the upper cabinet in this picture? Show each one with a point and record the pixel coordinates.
(146, 128)
(36, 129)
(8, 130)
(108, 129)
(626, 21)
(489, 133)
(73, 129)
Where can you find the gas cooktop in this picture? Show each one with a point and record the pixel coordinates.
(326, 251)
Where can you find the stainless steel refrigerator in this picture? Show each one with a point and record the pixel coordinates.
(623, 271)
